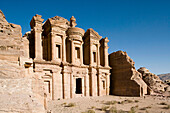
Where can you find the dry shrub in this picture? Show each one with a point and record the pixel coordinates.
(90, 111)
(71, 105)
(104, 108)
(111, 102)
(136, 101)
(133, 109)
(93, 107)
(125, 101)
(162, 103)
(144, 108)
(167, 107)
(113, 110)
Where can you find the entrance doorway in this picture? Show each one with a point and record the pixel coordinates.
(78, 86)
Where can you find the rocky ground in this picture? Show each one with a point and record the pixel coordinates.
(111, 104)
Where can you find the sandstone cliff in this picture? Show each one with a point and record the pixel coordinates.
(16, 78)
(125, 80)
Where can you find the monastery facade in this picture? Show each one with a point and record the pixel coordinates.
(57, 60)
(70, 62)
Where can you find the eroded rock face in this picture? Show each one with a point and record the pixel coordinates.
(11, 41)
(125, 80)
(152, 80)
(16, 81)
(12, 48)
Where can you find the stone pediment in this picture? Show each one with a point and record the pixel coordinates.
(93, 34)
(59, 20)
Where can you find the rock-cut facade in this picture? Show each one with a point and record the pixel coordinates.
(70, 62)
(57, 60)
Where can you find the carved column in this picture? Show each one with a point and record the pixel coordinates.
(91, 54)
(107, 83)
(81, 53)
(72, 52)
(106, 52)
(71, 85)
(53, 46)
(87, 84)
(98, 55)
(99, 84)
(36, 26)
(38, 43)
(106, 56)
(63, 49)
(53, 86)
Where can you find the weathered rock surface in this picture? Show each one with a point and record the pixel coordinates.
(16, 87)
(17, 97)
(11, 43)
(125, 80)
(152, 80)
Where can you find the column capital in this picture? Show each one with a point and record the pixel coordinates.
(36, 21)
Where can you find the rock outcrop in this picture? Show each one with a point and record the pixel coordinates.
(125, 80)
(152, 80)
(11, 42)
(16, 82)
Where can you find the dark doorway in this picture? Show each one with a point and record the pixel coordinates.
(58, 51)
(78, 86)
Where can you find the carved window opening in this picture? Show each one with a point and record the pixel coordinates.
(94, 56)
(47, 87)
(58, 52)
(77, 52)
(104, 86)
(78, 86)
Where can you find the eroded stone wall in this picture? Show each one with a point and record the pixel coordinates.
(125, 80)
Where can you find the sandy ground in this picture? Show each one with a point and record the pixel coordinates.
(111, 104)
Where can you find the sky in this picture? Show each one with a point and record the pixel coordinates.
(139, 27)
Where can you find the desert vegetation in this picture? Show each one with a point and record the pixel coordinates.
(111, 104)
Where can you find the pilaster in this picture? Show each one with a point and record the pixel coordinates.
(98, 55)
(81, 53)
(72, 52)
(53, 54)
(63, 48)
(36, 26)
(107, 83)
(91, 55)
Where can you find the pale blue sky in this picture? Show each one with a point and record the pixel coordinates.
(139, 27)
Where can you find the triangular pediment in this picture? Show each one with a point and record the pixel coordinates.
(93, 34)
